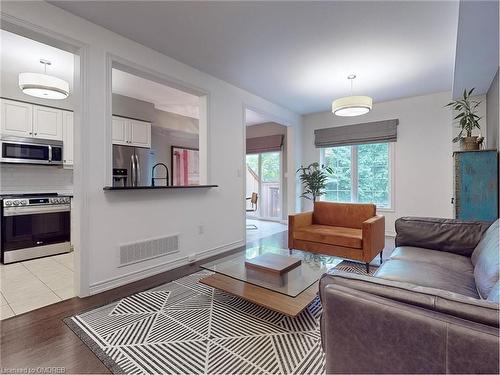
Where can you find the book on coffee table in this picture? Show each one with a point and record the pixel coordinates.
(274, 263)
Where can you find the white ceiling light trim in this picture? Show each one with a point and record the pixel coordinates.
(43, 85)
(353, 105)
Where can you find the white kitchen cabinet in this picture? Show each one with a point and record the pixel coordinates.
(16, 118)
(68, 141)
(47, 123)
(130, 132)
(120, 131)
(140, 133)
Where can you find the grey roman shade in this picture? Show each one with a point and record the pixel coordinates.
(368, 132)
(264, 144)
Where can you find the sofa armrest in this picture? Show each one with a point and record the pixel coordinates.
(296, 221)
(367, 333)
(442, 301)
(373, 232)
(454, 236)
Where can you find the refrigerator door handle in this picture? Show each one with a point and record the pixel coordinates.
(133, 169)
(138, 170)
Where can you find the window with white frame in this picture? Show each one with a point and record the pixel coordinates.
(361, 173)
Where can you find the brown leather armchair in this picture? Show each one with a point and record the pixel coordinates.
(347, 230)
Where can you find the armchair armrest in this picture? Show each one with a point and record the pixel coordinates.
(454, 236)
(373, 232)
(295, 221)
(300, 220)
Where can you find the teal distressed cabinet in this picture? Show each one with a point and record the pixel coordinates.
(476, 185)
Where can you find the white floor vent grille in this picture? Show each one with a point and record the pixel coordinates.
(140, 251)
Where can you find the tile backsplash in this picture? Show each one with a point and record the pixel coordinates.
(20, 178)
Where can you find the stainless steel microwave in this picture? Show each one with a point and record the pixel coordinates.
(31, 151)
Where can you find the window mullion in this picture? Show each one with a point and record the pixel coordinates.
(354, 173)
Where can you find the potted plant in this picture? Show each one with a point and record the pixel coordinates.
(467, 120)
(314, 178)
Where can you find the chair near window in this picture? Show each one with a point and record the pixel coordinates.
(346, 230)
(253, 201)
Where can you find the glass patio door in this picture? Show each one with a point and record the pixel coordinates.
(263, 176)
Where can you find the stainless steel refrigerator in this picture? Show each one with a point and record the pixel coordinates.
(132, 166)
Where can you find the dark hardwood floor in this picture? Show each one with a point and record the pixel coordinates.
(40, 338)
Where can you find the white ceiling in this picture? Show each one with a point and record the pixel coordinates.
(254, 118)
(297, 54)
(19, 54)
(163, 97)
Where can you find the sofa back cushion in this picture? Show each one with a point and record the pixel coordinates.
(486, 260)
(349, 215)
(454, 236)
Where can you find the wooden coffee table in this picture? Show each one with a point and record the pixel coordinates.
(288, 292)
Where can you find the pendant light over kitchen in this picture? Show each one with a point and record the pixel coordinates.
(43, 85)
(352, 105)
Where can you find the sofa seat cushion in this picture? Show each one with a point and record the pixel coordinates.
(454, 262)
(340, 236)
(428, 275)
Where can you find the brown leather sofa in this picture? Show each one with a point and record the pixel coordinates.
(433, 307)
(347, 230)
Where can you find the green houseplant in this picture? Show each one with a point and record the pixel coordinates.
(467, 120)
(314, 178)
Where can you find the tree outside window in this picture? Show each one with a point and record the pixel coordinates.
(361, 174)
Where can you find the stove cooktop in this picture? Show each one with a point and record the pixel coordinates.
(32, 195)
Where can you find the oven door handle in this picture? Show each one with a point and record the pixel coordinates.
(26, 210)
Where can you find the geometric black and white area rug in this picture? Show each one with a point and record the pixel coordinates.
(185, 327)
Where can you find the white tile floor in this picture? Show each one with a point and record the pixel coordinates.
(264, 229)
(32, 284)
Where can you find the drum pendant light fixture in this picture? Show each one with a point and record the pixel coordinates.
(43, 85)
(352, 105)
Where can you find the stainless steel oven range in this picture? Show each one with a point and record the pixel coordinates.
(34, 225)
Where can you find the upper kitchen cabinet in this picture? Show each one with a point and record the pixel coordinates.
(68, 148)
(130, 132)
(120, 136)
(17, 118)
(30, 121)
(47, 123)
(140, 133)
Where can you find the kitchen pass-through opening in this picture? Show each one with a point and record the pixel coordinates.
(158, 131)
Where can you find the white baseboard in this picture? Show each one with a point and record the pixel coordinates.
(130, 277)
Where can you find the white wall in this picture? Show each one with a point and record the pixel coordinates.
(162, 141)
(114, 218)
(16, 179)
(492, 106)
(423, 169)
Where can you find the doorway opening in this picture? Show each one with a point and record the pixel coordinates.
(265, 166)
(40, 258)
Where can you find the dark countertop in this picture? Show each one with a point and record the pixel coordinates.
(116, 188)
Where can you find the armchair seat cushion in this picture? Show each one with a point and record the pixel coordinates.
(340, 236)
(429, 275)
(458, 263)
